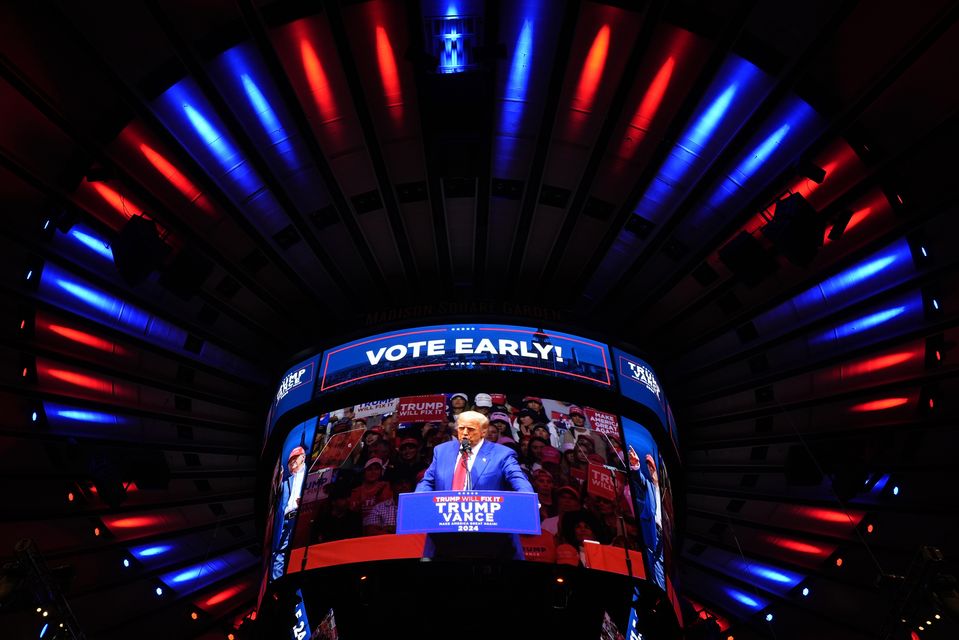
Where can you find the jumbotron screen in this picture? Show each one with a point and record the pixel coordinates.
(602, 488)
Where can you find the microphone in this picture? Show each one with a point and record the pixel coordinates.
(465, 445)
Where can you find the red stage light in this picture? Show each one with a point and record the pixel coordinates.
(801, 547)
(592, 71)
(877, 364)
(838, 562)
(134, 522)
(640, 122)
(173, 176)
(389, 74)
(80, 380)
(879, 405)
(87, 339)
(319, 82)
(224, 595)
(121, 204)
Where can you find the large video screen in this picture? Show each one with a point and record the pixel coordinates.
(363, 457)
(473, 346)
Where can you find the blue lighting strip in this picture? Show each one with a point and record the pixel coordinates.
(769, 152)
(186, 113)
(765, 576)
(66, 291)
(748, 600)
(151, 551)
(738, 87)
(58, 414)
(525, 36)
(732, 97)
(85, 238)
(251, 84)
(195, 577)
(881, 270)
(903, 312)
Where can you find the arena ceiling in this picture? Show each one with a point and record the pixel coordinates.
(311, 168)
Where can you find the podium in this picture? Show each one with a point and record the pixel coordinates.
(468, 512)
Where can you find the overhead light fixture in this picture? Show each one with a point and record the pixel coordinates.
(811, 171)
(796, 230)
(839, 224)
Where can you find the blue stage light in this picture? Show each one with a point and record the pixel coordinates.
(805, 592)
(742, 598)
(90, 241)
(151, 551)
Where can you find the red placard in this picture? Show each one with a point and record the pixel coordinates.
(600, 482)
(603, 422)
(422, 408)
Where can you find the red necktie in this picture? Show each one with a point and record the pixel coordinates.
(459, 475)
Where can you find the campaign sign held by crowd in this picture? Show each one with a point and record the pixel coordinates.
(501, 347)
(422, 408)
(468, 511)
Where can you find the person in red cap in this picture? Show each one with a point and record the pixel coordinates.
(289, 502)
(372, 491)
(535, 404)
(565, 499)
(408, 460)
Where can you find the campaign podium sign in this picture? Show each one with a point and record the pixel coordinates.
(468, 511)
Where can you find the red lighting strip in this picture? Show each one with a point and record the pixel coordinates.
(871, 365)
(224, 595)
(833, 516)
(592, 71)
(640, 122)
(122, 205)
(879, 405)
(133, 522)
(85, 339)
(78, 379)
(173, 175)
(799, 547)
(389, 74)
(318, 81)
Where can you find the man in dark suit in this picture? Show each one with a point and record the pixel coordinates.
(473, 463)
(288, 506)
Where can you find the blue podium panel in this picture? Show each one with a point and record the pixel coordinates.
(468, 511)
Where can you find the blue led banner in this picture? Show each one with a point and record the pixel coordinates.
(473, 511)
(295, 388)
(638, 381)
(452, 347)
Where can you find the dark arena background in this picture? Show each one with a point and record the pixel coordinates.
(695, 259)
